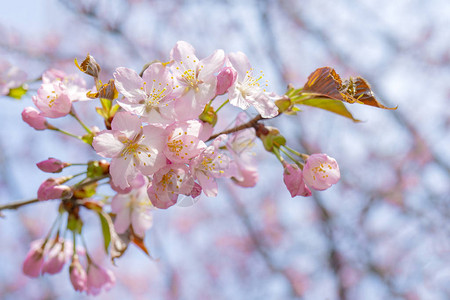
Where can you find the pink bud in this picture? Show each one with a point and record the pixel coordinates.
(293, 179)
(78, 276)
(225, 79)
(98, 278)
(34, 260)
(56, 259)
(52, 189)
(196, 190)
(321, 171)
(51, 165)
(33, 117)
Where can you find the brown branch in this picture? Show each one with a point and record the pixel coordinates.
(259, 244)
(249, 124)
(17, 204)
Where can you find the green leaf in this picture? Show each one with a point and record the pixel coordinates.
(331, 105)
(106, 231)
(18, 92)
(111, 238)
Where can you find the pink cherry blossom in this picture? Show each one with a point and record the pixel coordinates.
(10, 77)
(168, 183)
(240, 144)
(225, 79)
(321, 171)
(150, 96)
(183, 141)
(133, 209)
(133, 148)
(210, 164)
(293, 179)
(195, 79)
(33, 117)
(52, 188)
(99, 278)
(57, 257)
(247, 89)
(72, 85)
(78, 276)
(34, 260)
(52, 101)
(52, 165)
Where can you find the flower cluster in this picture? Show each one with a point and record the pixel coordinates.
(50, 255)
(162, 146)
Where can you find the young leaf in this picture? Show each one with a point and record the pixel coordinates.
(118, 246)
(331, 105)
(105, 231)
(327, 83)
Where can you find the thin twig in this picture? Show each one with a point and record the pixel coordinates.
(17, 204)
(249, 124)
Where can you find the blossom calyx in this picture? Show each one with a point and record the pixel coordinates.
(209, 115)
(89, 66)
(270, 136)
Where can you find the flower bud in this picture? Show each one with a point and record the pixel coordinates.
(52, 165)
(99, 278)
(225, 79)
(293, 179)
(33, 117)
(89, 66)
(78, 276)
(321, 171)
(52, 189)
(33, 262)
(56, 259)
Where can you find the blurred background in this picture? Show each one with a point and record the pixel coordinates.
(381, 233)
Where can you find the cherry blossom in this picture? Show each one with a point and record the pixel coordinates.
(34, 260)
(183, 141)
(150, 96)
(240, 144)
(133, 209)
(133, 148)
(72, 85)
(52, 101)
(210, 164)
(168, 183)
(195, 79)
(57, 257)
(99, 278)
(10, 77)
(293, 179)
(33, 117)
(78, 276)
(321, 171)
(247, 89)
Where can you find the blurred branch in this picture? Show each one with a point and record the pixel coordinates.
(258, 243)
(17, 204)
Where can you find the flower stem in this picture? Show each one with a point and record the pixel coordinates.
(222, 105)
(51, 127)
(301, 155)
(74, 114)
